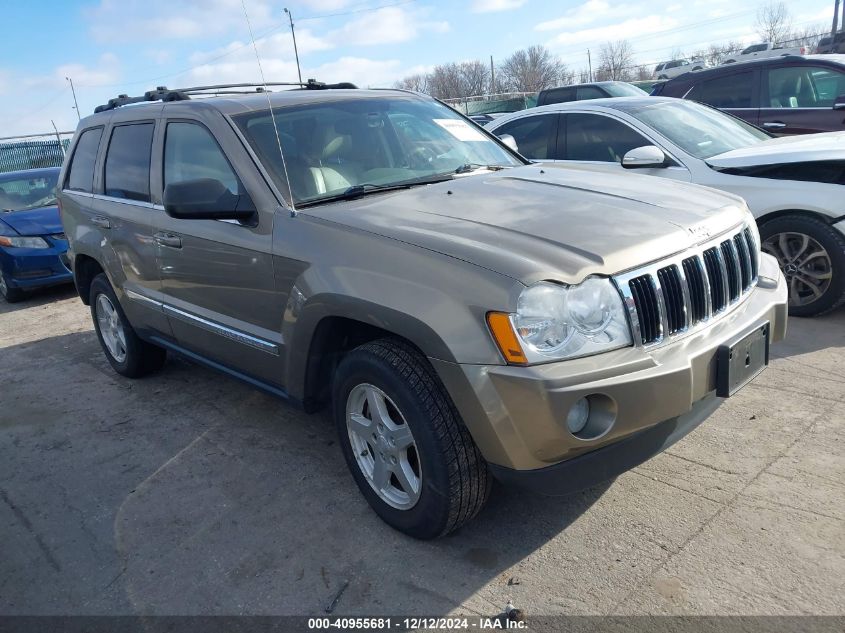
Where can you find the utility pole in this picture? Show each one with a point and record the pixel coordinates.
(492, 77)
(590, 63)
(58, 137)
(75, 104)
(835, 24)
(295, 51)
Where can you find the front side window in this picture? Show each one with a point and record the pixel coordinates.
(374, 142)
(533, 135)
(698, 130)
(598, 138)
(191, 153)
(805, 87)
(81, 172)
(127, 173)
(32, 192)
(731, 91)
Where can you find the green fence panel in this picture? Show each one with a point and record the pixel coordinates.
(32, 154)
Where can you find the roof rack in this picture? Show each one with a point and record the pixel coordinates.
(163, 93)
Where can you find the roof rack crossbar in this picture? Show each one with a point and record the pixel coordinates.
(163, 93)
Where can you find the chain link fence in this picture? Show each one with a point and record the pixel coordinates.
(33, 151)
(491, 104)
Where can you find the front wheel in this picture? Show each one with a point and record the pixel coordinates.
(811, 255)
(128, 355)
(409, 452)
(10, 294)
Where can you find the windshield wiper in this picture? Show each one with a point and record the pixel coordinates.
(365, 189)
(470, 167)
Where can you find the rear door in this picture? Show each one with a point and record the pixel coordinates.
(736, 92)
(799, 99)
(217, 277)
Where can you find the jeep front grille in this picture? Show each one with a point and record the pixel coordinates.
(675, 296)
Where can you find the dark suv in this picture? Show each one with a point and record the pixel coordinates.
(784, 95)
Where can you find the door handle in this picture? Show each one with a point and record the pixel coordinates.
(101, 221)
(168, 239)
(774, 125)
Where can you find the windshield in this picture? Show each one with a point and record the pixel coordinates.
(698, 130)
(21, 194)
(369, 143)
(625, 90)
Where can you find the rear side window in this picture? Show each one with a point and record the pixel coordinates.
(81, 173)
(533, 135)
(732, 91)
(590, 92)
(558, 95)
(191, 153)
(128, 162)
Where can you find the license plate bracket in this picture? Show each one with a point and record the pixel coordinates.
(740, 361)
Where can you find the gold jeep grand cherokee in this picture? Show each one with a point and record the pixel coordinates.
(466, 314)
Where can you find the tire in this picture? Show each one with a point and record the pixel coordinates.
(10, 294)
(826, 272)
(138, 358)
(453, 479)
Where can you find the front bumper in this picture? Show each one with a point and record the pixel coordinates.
(36, 267)
(517, 415)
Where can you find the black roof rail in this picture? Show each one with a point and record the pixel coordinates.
(163, 93)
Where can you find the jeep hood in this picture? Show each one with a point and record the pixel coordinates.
(804, 148)
(44, 221)
(534, 222)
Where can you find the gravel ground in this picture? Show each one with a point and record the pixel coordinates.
(190, 493)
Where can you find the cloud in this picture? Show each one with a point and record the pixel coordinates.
(491, 6)
(389, 25)
(590, 12)
(610, 32)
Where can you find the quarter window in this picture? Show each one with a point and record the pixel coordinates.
(533, 135)
(127, 172)
(732, 91)
(81, 175)
(597, 138)
(804, 87)
(191, 153)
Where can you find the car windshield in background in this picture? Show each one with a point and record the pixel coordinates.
(698, 130)
(365, 145)
(22, 194)
(622, 89)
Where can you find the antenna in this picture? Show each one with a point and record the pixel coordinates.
(270, 105)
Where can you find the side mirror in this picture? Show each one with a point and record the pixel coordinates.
(206, 199)
(646, 156)
(839, 104)
(510, 141)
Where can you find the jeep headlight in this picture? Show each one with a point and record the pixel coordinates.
(554, 322)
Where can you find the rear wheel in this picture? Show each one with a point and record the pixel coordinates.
(404, 442)
(128, 355)
(811, 255)
(10, 294)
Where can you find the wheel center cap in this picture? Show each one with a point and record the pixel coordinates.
(790, 269)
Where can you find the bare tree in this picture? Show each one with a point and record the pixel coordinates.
(583, 76)
(456, 81)
(774, 21)
(714, 53)
(643, 72)
(808, 36)
(417, 83)
(533, 69)
(475, 77)
(616, 62)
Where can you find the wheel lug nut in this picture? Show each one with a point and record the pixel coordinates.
(393, 460)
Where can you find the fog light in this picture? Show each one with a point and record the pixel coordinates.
(578, 416)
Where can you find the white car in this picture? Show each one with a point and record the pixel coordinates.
(762, 50)
(795, 186)
(676, 67)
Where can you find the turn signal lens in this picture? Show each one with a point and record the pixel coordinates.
(502, 330)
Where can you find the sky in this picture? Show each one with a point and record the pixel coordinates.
(111, 47)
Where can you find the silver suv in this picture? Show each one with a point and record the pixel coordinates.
(466, 314)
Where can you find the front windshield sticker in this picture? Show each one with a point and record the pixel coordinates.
(461, 130)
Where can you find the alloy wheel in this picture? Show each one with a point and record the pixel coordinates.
(111, 328)
(805, 263)
(383, 446)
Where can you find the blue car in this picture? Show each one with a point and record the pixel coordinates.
(33, 247)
